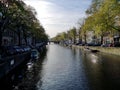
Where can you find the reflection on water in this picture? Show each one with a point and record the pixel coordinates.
(62, 68)
(103, 71)
(93, 57)
(33, 74)
(24, 77)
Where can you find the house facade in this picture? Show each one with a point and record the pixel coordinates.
(9, 38)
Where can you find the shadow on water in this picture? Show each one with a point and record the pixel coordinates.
(103, 70)
(25, 76)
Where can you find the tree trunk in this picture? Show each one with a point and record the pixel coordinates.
(2, 28)
(25, 37)
(74, 39)
(79, 38)
(3, 24)
(19, 38)
(101, 39)
(85, 38)
(0, 39)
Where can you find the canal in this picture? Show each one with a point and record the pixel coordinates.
(63, 68)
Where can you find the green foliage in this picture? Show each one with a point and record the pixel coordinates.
(70, 35)
(103, 19)
(94, 7)
(19, 17)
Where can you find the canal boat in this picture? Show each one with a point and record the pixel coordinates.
(94, 51)
(87, 49)
(91, 50)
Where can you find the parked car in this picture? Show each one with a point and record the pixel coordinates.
(18, 49)
(90, 44)
(78, 43)
(93, 44)
(26, 48)
(34, 54)
(107, 45)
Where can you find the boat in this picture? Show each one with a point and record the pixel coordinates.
(91, 50)
(94, 51)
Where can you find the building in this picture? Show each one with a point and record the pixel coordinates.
(9, 38)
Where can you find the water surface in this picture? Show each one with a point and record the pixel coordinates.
(62, 68)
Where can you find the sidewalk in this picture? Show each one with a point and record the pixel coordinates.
(110, 50)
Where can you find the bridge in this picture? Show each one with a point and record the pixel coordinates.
(56, 42)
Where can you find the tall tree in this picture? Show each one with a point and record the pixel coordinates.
(94, 7)
(73, 34)
(19, 18)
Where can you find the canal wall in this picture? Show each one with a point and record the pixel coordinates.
(109, 50)
(7, 64)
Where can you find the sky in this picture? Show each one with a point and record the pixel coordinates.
(58, 16)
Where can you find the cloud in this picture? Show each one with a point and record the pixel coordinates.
(58, 16)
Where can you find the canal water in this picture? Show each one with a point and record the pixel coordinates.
(63, 68)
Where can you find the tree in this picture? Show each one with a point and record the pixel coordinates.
(112, 10)
(105, 18)
(3, 19)
(101, 18)
(21, 19)
(94, 7)
(73, 34)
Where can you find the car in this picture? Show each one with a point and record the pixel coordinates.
(107, 45)
(26, 48)
(18, 49)
(78, 43)
(35, 54)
